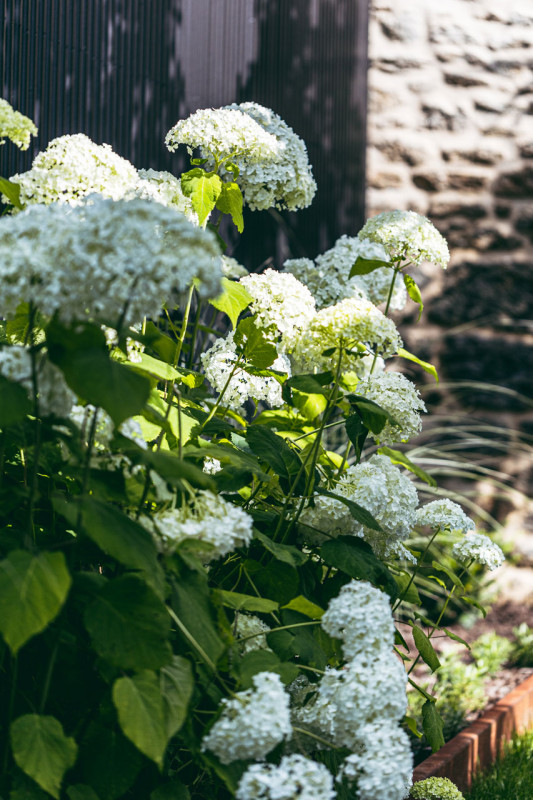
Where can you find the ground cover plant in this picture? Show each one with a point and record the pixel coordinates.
(197, 598)
(510, 776)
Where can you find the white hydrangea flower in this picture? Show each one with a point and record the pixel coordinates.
(53, 395)
(252, 723)
(73, 167)
(328, 277)
(232, 269)
(436, 789)
(398, 395)
(444, 514)
(248, 625)
(296, 778)
(211, 466)
(480, 548)
(83, 416)
(163, 187)
(279, 300)
(209, 518)
(15, 126)
(218, 363)
(355, 324)
(361, 616)
(224, 133)
(370, 687)
(382, 764)
(282, 181)
(103, 260)
(408, 236)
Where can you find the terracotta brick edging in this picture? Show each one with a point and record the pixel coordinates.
(477, 746)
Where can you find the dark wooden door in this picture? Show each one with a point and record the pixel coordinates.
(124, 71)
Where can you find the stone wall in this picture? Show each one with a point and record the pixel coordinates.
(451, 136)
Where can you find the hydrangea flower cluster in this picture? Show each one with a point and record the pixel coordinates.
(73, 167)
(232, 269)
(53, 395)
(82, 416)
(209, 519)
(280, 301)
(353, 324)
(296, 778)
(361, 616)
(224, 133)
(15, 126)
(163, 187)
(382, 766)
(478, 547)
(444, 514)
(103, 260)
(218, 363)
(399, 397)
(248, 625)
(382, 489)
(252, 723)
(328, 276)
(408, 236)
(284, 181)
(436, 789)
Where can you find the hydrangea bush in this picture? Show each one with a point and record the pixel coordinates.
(197, 598)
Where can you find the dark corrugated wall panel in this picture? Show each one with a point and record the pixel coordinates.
(124, 71)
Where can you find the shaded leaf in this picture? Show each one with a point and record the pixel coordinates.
(177, 685)
(257, 350)
(355, 558)
(357, 433)
(432, 725)
(425, 648)
(230, 202)
(359, 513)
(365, 265)
(141, 713)
(14, 402)
(277, 453)
(171, 791)
(81, 791)
(42, 750)
(283, 552)
(244, 602)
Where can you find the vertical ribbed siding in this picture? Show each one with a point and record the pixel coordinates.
(123, 71)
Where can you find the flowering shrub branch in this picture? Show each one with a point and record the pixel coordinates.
(196, 594)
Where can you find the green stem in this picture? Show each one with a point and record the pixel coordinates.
(184, 324)
(48, 678)
(387, 306)
(416, 571)
(190, 361)
(37, 438)
(279, 628)
(216, 405)
(87, 467)
(325, 742)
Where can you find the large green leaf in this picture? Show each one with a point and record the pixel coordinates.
(11, 191)
(354, 557)
(425, 648)
(244, 602)
(373, 416)
(171, 791)
(42, 750)
(32, 592)
(108, 762)
(176, 470)
(365, 265)
(81, 353)
(14, 402)
(304, 606)
(283, 552)
(141, 713)
(359, 513)
(203, 188)
(432, 725)
(357, 433)
(191, 602)
(279, 456)
(397, 457)
(177, 686)
(129, 625)
(80, 791)
(165, 372)
(230, 202)
(257, 349)
(233, 300)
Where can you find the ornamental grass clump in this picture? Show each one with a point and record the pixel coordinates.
(198, 599)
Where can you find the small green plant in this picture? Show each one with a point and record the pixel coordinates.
(490, 652)
(522, 652)
(511, 777)
(436, 789)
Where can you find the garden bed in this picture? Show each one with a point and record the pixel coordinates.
(477, 746)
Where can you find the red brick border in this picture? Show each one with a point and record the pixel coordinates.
(477, 746)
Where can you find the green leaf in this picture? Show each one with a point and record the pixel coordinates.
(475, 603)
(373, 416)
(175, 470)
(233, 300)
(257, 350)
(33, 590)
(14, 402)
(108, 762)
(11, 191)
(397, 457)
(81, 792)
(455, 638)
(120, 537)
(365, 265)
(279, 456)
(166, 372)
(81, 353)
(163, 345)
(42, 751)
(277, 581)
(191, 603)
(357, 433)
(177, 686)
(432, 725)
(245, 602)
(450, 573)
(129, 625)
(411, 724)
(26, 789)
(359, 513)
(171, 791)
(265, 661)
(412, 595)
(414, 293)
(230, 202)
(305, 606)
(425, 648)
(141, 713)
(283, 552)
(203, 188)
(355, 558)
(426, 366)
(310, 384)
